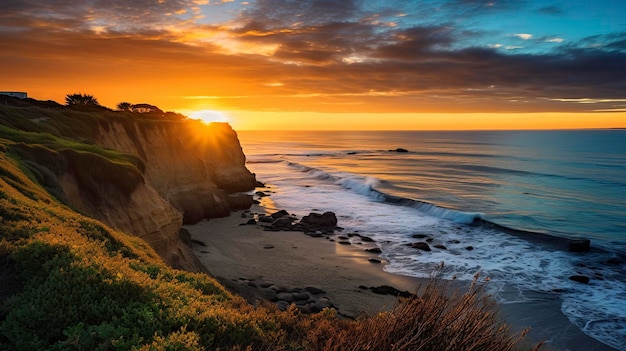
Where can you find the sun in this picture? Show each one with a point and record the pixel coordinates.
(209, 116)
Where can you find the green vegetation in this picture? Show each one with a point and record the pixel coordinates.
(70, 282)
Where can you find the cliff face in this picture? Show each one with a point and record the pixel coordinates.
(193, 166)
(192, 171)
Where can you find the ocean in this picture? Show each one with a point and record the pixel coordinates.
(491, 201)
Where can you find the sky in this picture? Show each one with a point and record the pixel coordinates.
(329, 64)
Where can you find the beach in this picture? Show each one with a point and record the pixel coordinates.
(245, 257)
(247, 253)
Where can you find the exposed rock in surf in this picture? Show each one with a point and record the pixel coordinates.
(469, 248)
(419, 236)
(580, 279)
(440, 247)
(400, 150)
(374, 250)
(580, 245)
(374, 260)
(420, 246)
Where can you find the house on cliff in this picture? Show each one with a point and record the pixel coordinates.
(17, 94)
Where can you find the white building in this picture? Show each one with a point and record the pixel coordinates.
(17, 94)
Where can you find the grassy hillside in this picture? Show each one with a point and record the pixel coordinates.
(70, 282)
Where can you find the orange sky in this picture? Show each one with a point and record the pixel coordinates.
(300, 65)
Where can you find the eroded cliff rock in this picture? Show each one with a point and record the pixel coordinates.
(194, 166)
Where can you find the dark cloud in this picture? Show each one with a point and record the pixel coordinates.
(283, 13)
(552, 10)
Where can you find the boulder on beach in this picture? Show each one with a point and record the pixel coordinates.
(326, 219)
(279, 214)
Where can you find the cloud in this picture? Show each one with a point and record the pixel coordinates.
(552, 10)
(314, 55)
(523, 36)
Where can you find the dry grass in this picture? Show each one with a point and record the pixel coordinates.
(434, 320)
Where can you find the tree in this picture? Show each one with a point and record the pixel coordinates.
(125, 106)
(81, 100)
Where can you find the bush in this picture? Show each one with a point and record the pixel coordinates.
(432, 321)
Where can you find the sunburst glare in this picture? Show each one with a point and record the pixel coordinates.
(209, 116)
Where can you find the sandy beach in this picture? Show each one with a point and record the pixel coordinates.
(235, 252)
(241, 256)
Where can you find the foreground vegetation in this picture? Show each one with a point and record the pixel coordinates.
(70, 282)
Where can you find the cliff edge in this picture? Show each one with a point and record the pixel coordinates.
(137, 173)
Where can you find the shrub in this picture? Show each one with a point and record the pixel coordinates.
(432, 321)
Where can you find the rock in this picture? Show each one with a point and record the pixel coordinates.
(266, 219)
(313, 308)
(268, 246)
(315, 291)
(258, 184)
(374, 260)
(282, 305)
(300, 296)
(327, 219)
(469, 248)
(324, 302)
(580, 279)
(251, 221)
(344, 242)
(367, 239)
(282, 223)
(343, 237)
(400, 150)
(441, 247)
(268, 294)
(374, 250)
(419, 236)
(265, 284)
(581, 245)
(284, 296)
(279, 214)
(420, 246)
(261, 194)
(390, 290)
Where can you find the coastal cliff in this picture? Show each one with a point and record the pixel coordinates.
(142, 175)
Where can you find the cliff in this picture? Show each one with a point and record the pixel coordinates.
(144, 176)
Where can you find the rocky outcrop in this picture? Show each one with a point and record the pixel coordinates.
(194, 166)
(190, 171)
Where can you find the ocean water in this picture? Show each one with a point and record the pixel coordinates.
(504, 193)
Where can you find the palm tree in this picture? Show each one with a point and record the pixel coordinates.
(125, 106)
(81, 100)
